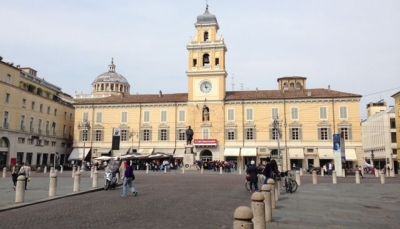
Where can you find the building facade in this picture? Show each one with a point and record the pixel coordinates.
(379, 137)
(396, 98)
(235, 126)
(37, 118)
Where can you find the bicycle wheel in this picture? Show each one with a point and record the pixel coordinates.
(286, 187)
(247, 185)
(294, 185)
(290, 187)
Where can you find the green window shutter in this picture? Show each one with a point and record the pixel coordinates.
(235, 134)
(167, 137)
(177, 135)
(226, 134)
(150, 137)
(270, 134)
(329, 134)
(300, 134)
(142, 135)
(159, 135)
(350, 134)
(80, 135)
(319, 134)
(290, 134)
(254, 133)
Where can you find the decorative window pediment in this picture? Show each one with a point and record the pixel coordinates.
(294, 124)
(145, 125)
(206, 125)
(163, 125)
(249, 124)
(344, 124)
(231, 125)
(98, 126)
(123, 126)
(181, 125)
(324, 124)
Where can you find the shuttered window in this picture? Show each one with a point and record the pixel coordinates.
(295, 113)
(124, 117)
(146, 116)
(323, 114)
(249, 114)
(164, 116)
(99, 117)
(182, 116)
(231, 115)
(343, 112)
(274, 113)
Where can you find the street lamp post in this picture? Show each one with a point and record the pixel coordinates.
(278, 133)
(85, 126)
(131, 135)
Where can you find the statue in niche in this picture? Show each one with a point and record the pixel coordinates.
(206, 114)
(189, 136)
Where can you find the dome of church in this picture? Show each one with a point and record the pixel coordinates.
(206, 18)
(111, 76)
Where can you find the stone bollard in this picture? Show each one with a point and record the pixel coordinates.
(377, 172)
(298, 178)
(314, 177)
(279, 187)
(357, 177)
(271, 183)
(276, 191)
(334, 178)
(20, 190)
(53, 185)
(95, 179)
(4, 172)
(183, 169)
(51, 171)
(77, 179)
(266, 190)
(243, 217)
(343, 173)
(91, 171)
(382, 177)
(322, 172)
(202, 170)
(95, 168)
(165, 169)
(387, 172)
(240, 170)
(61, 169)
(220, 170)
(73, 171)
(258, 209)
(301, 172)
(45, 169)
(147, 168)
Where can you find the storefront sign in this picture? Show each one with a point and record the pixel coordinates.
(202, 142)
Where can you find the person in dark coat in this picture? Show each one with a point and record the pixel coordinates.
(253, 171)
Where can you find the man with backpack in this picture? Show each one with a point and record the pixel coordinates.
(128, 178)
(267, 170)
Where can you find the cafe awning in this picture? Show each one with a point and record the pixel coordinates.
(120, 152)
(179, 152)
(232, 152)
(248, 152)
(103, 151)
(165, 150)
(350, 154)
(325, 153)
(78, 154)
(296, 153)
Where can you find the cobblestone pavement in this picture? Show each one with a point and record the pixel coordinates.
(194, 200)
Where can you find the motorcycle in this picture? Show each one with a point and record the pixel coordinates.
(110, 179)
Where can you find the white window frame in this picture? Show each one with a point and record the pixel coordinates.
(231, 114)
(342, 113)
(22, 123)
(205, 132)
(163, 116)
(273, 109)
(321, 113)
(85, 116)
(182, 116)
(294, 113)
(23, 103)
(251, 110)
(99, 117)
(31, 123)
(8, 97)
(9, 78)
(146, 116)
(6, 119)
(124, 117)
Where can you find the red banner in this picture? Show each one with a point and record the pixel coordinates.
(205, 141)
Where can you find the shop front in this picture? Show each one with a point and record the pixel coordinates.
(296, 156)
(325, 157)
(248, 155)
(232, 155)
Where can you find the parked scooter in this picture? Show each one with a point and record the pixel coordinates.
(110, 179)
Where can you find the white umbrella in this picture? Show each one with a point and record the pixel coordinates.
(103, 158)
(366, 164)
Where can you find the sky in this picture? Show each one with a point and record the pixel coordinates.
(351, 45)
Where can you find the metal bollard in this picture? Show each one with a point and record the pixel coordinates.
(53, 185)
(165, 169)
(266, 190)
(240, 170)
(4, 172)
(243, 216)
(314, 177)
(202, 170)
(45, 169)
(271, 183)
(77, 179)
(298, 178)
(91, 171)
(258, 209)
(147, 168)
(382, 177)
(20, 190)
(73, 171)
(51, 171)
(220, 170)
(301, 171)
(357, 177)
(334, 179)
(95, 179)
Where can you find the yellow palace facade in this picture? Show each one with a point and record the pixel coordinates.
(228, 125)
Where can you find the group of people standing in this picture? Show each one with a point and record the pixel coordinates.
(269, 171)
(24, 170)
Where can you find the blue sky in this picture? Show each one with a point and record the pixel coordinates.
(351, 45)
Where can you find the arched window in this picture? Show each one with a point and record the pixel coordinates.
(112, 87)
(205, 36)
(206, 59)
(102, 87)
(298, 85)
(285, 87)
(292, 85)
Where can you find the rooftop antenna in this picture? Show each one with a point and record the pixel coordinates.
(206, 4)
(233, 84)
(241, 86)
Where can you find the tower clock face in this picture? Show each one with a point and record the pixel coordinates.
(206, 87)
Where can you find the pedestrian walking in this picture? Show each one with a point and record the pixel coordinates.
(128, 177)
(14, 176)
(25, 171)
(253, 171)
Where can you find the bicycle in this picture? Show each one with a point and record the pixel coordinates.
(290, 184)
(260, 182)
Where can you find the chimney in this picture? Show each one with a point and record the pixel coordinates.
(256, 89)
(160, 94)
(308, 93)
(329, 87)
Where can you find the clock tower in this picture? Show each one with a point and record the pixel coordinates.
(206, 63)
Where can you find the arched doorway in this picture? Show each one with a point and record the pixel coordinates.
(206, 155)
(4, 148)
